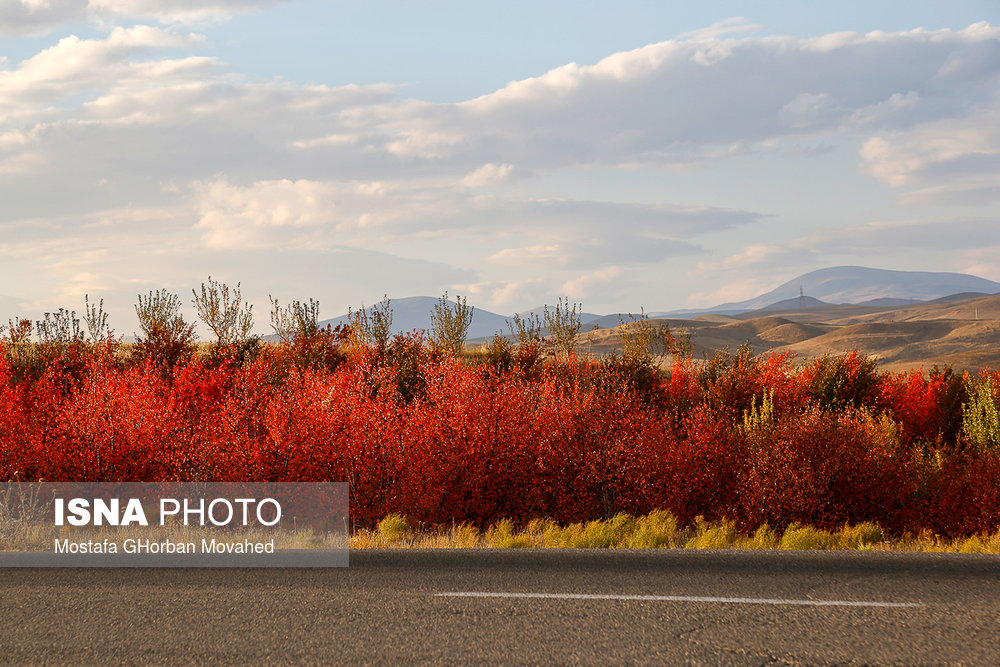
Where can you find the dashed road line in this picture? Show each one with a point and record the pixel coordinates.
(681, 598)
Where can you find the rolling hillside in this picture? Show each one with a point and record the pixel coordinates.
(905, 318)
(922, 335)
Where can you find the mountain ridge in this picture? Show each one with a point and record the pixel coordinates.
(874, 289)
(856, 284)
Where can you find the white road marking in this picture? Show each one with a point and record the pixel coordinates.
(682, 598)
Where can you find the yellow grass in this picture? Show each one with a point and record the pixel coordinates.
(658, 529)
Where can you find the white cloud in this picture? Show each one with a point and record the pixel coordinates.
(618, 218)
(30, 17)
(235, 217)
(251, 166)
(488, 175)
(655, 103)
(887, 237)
(755, 269)
(738, 290)
(420, 143)
(527, 255)
(594, 283)
(76, 66)
(731, 26)
(505, 294)
(122, 252)
(757, 254)
(886, 110)
(975, 190)
(182, 119)
(758, 267)
(25, 17)
(568, 234)
(808, 110)
(982, 262)
(950, 161)
(176, 10)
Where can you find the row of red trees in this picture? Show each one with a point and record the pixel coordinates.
(755, 439)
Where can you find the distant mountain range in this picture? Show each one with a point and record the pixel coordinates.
(817, 289)
(963, 333)
(836, 285)
(858, 284)
(795, 302)
(414, 312)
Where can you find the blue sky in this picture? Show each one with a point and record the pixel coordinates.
(452, 51)
(625, 154)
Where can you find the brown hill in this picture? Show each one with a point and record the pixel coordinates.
(985, 308)
(714, 317)
(918, 336)
(820, 314)
(898, 341)
(793, 332)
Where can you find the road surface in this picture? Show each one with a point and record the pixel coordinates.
(512, 606)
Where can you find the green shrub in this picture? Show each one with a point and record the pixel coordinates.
(372, 326)
(297, 320)
(980, 416)
(526, 330)
(166, 337)
(758, 421)
(642, 340)
(450, 324)
(564, 324)
(499, 354)
(394, 527)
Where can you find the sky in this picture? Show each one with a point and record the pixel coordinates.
(622, 154)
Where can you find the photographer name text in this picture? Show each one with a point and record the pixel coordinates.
(146, 546)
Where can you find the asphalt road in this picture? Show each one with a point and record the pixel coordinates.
(590, 607)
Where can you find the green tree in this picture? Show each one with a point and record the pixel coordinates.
(297, 319)
(450, 324)
(564, 323)
(372, 326)
(525, 330)
(159, 315)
